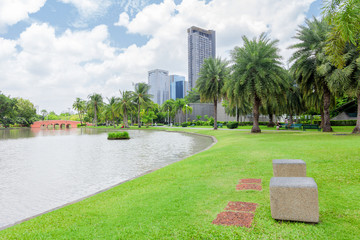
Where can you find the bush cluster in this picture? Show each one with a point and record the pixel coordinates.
(232, 125)
(343, 122)
(184, 124)
(118, 135)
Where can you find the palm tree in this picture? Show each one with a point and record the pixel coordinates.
(312, 69)
(351, 82)
(213, 74)
(179, 104)
(187, 110)
(125, 105)
(258, 73)
(111, 108)
(141, 97)
(80, 106)
(44, 113)
(168, 106)
(95, 102)
(294, 104)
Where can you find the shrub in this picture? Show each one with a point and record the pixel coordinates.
(184, 124)
(118, 135)
(232, 125)
(343, 122)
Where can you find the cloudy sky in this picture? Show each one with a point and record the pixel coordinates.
(52, 51)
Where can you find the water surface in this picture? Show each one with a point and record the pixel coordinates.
(44, 169)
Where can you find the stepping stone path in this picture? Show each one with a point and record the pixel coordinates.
(240, 213)
(249, 184)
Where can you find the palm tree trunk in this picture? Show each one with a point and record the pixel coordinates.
(80, 118)
(125, 119)
(327, 96)
(291, 119)
(139, 124)
(271, 122)
(95, 117)
(256, 113)
(357, 127)
(322, 119)
(237, 114)
(113, 117)
(215, 114)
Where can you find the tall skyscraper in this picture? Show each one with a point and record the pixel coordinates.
(178, 87)
(159, 85)
(201, 45)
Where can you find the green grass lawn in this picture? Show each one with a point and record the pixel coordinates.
(181, 200)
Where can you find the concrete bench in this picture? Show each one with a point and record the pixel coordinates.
(294, 199)
(289, 168)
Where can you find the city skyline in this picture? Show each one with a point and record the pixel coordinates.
(52, 51)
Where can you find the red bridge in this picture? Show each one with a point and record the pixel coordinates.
(60, 123)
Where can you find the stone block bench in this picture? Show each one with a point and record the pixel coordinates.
(289, 168)
(294, 199)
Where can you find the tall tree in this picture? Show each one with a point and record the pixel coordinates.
(312, 68)
(25, 112)
(351, 82)
(213, 74)
(125, 105)
(44, 113)
(111, 109)
(80, 106)
(169, 107)
(258, 73)
(7, 110)
(294, 104)
(95, 102)
(141, 97)
(179, 104)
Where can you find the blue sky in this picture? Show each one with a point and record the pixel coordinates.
(52, 51)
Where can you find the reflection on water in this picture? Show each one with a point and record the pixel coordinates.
(43, 169)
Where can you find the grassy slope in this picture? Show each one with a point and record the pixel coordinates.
(180, 200)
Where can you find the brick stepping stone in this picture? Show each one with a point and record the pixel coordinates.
(238, 214)
(241, 206)
(250, 180)
(242, 219)
(249, 184)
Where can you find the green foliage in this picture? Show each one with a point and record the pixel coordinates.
(343, 122)
(8, 107)
(344, 17)
(257, 73)
(232, 125)
(118, 135)
(184, 124)
(95, 103)
(213, 74)
(141, 98)
(193, 96)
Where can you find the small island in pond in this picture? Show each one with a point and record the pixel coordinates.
(118, 136)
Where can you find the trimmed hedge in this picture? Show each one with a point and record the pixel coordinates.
(339, 122)
(184, 124)
(232, 125)
(118, 135)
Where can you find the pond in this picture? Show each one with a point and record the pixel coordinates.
(44, 169)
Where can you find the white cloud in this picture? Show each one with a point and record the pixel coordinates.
(53, 70)
(88, 8)
(13, 11)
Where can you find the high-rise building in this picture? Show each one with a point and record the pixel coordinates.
(178, 87)
(159, 85)
(201, 45)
